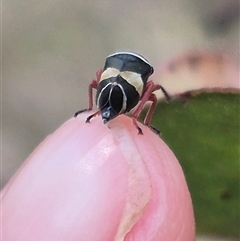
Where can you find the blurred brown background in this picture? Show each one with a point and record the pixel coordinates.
(52, 49)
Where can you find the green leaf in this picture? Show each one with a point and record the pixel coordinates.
(204, 134)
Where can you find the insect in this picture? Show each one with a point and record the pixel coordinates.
(121, 85)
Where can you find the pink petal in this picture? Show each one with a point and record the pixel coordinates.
(90, 182)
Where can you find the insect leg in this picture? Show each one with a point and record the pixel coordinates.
(149, 114)
(93, 85)
(90, 95)
(134, 120)
(98, 74)
(148, 117)
(167, 96)
(148, 96)
(91, 116)
(150, 87)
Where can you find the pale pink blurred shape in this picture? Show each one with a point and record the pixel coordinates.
(95, 182)
(196, 72)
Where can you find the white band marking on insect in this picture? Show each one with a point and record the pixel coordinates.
(133, 79)
(108, 73)
(133, 54)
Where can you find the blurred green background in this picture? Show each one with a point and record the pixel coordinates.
(52, 49)
(204, 134)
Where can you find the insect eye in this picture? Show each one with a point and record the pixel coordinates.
(106, 114)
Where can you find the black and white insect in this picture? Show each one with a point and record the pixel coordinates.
(121, 85)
